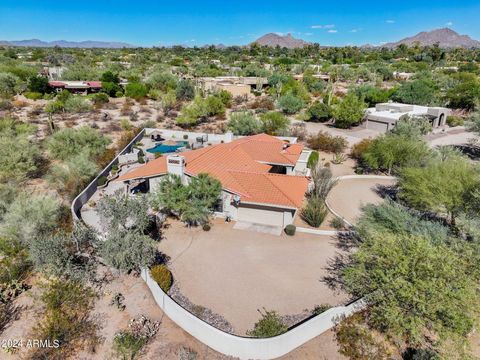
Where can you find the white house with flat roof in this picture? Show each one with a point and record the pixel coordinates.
(383, 117)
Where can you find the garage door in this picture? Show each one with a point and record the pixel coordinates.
(260, 216)
(377, 126)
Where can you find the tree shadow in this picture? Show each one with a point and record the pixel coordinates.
(387, 191)
(9, 313)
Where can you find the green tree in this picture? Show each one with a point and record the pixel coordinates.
(440, 186)
(413, 287)
(274, 123)
(418, 92)
(128, 250)
(319, 112)
(392, 152)
(244, 123)
(350, 111)
(8, 84)
(136, 90)
(38, 84)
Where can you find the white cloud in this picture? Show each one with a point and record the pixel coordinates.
(390, 21)
(449, 23)
(332, 31)
(323, 26)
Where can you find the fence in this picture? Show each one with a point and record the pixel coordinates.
(87, 193)
(243, 347)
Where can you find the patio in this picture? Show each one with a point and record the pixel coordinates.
(234, 273)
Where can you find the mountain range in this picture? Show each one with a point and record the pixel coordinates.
(287, 41)
(446, 38)
(67, 44)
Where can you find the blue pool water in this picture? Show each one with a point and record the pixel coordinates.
(164, 149)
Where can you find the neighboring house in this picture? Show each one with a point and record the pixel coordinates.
(235, 85)
(263, 177)
(383, 117)
(76, 86)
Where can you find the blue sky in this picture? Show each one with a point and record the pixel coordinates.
(148, 23)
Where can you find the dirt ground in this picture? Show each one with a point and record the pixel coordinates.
(348, 196)
(235, 272)
(166, 344)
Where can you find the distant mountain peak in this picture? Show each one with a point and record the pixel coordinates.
(67, 44)
(288, 41)
(445, 37)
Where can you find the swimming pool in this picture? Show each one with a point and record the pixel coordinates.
(164, 149)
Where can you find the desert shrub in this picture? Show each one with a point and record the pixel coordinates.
(290, 104)
(77, 104)
(125, 124)
(274, 123)
(319, 112)
(5, 104)
(320, 309)
(33, 95)
(66, 318)
(100, 99)
(102, 180)
(356, 341)
(268, 326)
(162, 276)
(244, 123)
(325, 142)
(185, 90)
(54, 107)
(313, 159)
(263, 103)
(70, 142)
(453, 120)
(136, 90)
(359, 148)
(186, 354)
(127, 345)
(323, 181)
(30, 216)
(290, 229)
(337, 223)
(128, 250)
(314, 212)
(206, 227)
(18, 157)
(70, 177)
(15, 264)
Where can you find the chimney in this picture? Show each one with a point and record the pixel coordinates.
(176, 166)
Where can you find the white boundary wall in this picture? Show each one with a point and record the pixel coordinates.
(243, 347)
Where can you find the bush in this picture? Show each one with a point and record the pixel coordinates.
(102, 180)
(268, 326)
(136, 90)
(162, 276)
(290, 104)
(206, 227)
(313, 159)
(326, 142)
(263, 103)
(453, 120)
(314, 212)
(77, 104)
(127, 345)
(33, 95)
(274, 123)
(100, 98)
(359, 148)
(337, 223)
(350, 111)
(319, 112)
(244, 123)
(290, 229)
(320, 309)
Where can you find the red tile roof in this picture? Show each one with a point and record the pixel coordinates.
(242, 168)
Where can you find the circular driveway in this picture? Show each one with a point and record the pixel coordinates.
(348, 197)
